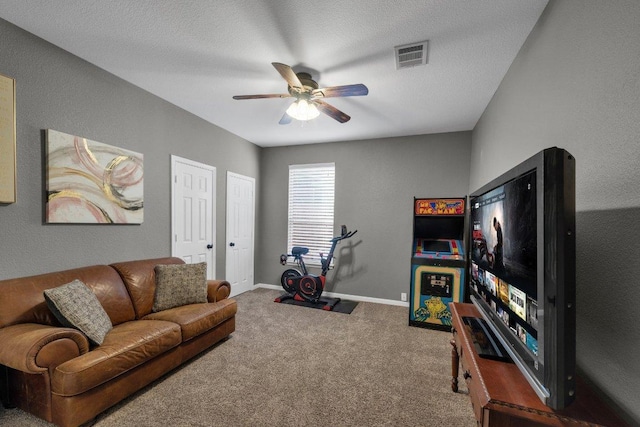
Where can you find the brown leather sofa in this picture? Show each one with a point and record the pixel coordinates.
(55, 373)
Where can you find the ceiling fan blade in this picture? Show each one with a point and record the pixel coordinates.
(267, 95)
(331, 111)
(288, 74)
(336, 91)
(286, 119)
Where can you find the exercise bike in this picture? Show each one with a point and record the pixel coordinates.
(303, 286)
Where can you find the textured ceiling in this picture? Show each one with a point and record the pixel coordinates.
(197, 54)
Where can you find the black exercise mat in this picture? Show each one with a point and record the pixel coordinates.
(344, 306)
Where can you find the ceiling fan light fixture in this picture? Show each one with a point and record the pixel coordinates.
(309, 99)
(303, 110)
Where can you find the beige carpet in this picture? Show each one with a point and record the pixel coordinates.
(294, 366)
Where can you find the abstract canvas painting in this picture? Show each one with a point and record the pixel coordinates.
(91, 182)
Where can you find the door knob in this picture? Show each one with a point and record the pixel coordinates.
(232, 244)
(209, 246)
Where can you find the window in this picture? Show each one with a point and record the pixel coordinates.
(311, 200)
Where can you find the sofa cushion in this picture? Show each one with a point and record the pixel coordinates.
(180, 284)
(195, 319)
(76, 306)
(125, 347)
(140, 279)
(22, 299)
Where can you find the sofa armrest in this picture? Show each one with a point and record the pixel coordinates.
(35, 348)
(218, 290)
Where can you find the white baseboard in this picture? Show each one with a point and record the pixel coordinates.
(344, 296)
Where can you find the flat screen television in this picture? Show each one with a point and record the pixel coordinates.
(522, 269)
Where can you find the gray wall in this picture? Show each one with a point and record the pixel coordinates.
(376, 181)
(57, 90)
(576, 84)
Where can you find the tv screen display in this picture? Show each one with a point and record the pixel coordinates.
(522, 269)
(504, 255)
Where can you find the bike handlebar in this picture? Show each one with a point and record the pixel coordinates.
(344, 236)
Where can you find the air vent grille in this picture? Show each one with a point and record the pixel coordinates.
(410, 55)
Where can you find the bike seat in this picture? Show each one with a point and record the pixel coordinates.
(299, 250)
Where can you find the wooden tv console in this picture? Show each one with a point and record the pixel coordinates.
(501, 396)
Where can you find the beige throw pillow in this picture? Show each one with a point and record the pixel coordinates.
(76, 306)
(180, 284)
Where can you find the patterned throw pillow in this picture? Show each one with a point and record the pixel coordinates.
(76, 306)
(180, 284)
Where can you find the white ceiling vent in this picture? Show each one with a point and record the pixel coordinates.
(411, 55)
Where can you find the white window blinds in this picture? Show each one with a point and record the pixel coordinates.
(311, 202)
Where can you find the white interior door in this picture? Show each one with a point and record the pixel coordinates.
(193, 195)
(240, 230)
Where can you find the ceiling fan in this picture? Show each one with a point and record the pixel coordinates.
(309, 103)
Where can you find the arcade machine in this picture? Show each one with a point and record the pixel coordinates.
(438, 261)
